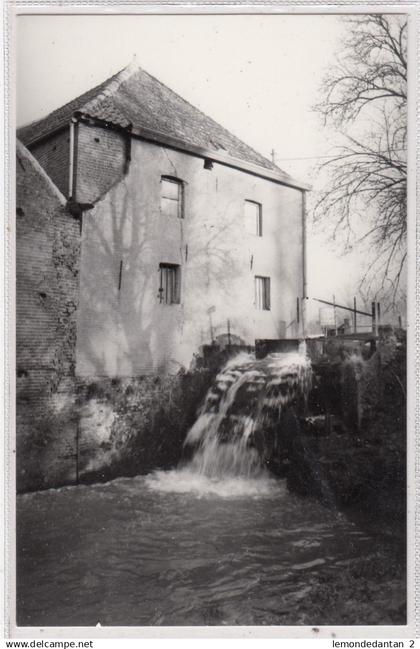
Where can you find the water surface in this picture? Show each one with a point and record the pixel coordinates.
(171, 549)
(215, 542)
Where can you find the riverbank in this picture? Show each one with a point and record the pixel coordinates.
(361, 467)
(370, 588)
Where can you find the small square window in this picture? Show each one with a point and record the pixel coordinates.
(169, 284)
(253, 218)
(171, 197)
(262, 293)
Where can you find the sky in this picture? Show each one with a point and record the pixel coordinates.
(257, 75)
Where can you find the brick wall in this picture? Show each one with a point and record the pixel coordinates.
(47, 260)
(100, 161)
(53, 155)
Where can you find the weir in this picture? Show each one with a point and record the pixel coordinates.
(238, 428)
(297, 415)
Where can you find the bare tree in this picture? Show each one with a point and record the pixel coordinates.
(364, 97)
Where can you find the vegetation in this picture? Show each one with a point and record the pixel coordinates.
(365, 197)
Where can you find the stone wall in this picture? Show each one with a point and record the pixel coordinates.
(134, 425)
(98, 429)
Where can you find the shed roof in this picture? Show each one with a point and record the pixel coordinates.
(135, 100)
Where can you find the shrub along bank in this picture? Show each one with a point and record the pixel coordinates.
(357, 457)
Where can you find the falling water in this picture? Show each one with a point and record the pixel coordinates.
(228, 445)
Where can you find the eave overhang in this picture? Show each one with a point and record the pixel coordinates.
(163, 139)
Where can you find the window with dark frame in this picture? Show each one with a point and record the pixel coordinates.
(169, 284)
(262, 293)
(253, 218)
(172, 197)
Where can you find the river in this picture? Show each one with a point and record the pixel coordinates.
(133, 552)
(216, 541)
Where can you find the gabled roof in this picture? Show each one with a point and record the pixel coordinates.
(62, 116)
(135, 100)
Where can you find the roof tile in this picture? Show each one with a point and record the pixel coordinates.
(132, 97)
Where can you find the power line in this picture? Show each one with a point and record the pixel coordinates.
(315, 157)
(321, 157)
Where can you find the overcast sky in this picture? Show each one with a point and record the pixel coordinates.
(259, 76)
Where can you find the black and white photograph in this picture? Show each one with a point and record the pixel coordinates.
(211, 319)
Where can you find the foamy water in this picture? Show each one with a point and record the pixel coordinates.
(201, 486)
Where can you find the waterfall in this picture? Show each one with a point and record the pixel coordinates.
(238, 427)
(230, 436)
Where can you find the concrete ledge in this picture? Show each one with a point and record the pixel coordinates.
(273, 346)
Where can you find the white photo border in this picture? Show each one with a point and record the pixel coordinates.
(11, 10)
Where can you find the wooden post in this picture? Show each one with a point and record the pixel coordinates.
(77, 451)
(120, 275)
(335, 315)
(297, 311)
(374, 318)
(399, 322)
(211, 310)
(354, 316)
(228, 332)
(378, 313)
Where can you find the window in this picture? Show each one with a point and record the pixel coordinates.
(253, 218)
(171, 197)
(262, 293)
(169, 284)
